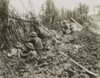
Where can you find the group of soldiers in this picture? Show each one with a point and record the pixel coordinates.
(35, 45)
(32, 48)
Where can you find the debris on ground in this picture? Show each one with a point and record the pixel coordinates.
(55, 62)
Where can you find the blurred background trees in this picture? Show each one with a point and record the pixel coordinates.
(50, 14)
(81, 11)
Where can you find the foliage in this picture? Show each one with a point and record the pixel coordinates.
(3, 10)
(50, 13)
(53, 63)
(79, 13)
(82, 11)
(3, 21)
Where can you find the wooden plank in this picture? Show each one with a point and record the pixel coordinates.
(96, 75)
(76, 23)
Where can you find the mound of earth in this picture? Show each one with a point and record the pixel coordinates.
(89, 53)
(55, 63)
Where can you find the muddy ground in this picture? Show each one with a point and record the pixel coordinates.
(55, 63)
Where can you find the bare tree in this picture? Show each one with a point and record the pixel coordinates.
(4, 22)
(49, 13)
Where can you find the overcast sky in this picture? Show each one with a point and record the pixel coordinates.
(69, 4)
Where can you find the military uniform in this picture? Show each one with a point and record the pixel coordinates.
(66, 29)
(29, 53)
(36, 41)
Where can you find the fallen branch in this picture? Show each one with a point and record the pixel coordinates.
(17, 18)
(84, 68)
(76, 23)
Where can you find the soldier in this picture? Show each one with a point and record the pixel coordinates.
(71, 29)
(29, 52)
(66, 29)
(64, 26)
(36, 41)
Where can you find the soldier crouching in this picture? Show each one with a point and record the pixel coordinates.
(36, 41)
(29, 53)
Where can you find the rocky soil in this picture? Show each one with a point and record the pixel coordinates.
(56, 63)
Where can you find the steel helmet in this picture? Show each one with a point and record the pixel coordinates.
(30, 45)
(33, 34)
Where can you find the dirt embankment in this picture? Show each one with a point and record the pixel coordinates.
(55, 63)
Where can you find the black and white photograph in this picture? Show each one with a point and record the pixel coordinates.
(49, 39)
